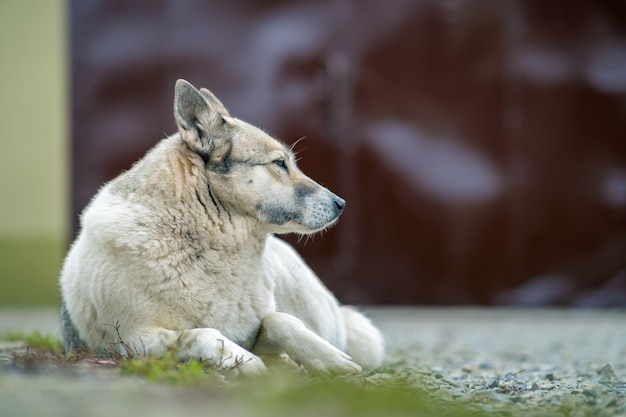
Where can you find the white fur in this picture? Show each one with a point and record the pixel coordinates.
(178, 254)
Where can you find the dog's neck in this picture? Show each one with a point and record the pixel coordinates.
(181, 179)
(222, 230)
(235, 235)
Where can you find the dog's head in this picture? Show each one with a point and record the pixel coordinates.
(248, 172)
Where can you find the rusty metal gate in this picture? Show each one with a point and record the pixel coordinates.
(480, 145)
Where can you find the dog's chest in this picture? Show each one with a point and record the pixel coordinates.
(233, 303)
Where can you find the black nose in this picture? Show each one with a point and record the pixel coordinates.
(340, 204)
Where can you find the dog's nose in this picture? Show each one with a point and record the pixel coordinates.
(340, 204)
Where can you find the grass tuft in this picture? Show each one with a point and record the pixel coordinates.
(36, 340)
(169, 369)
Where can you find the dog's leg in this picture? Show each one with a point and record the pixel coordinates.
(284, 332)
(365, 343)
(206, 344)
(71, 339)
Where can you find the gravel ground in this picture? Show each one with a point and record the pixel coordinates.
(496, 361)
(570, 362)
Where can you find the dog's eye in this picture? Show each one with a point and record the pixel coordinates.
(281, 163)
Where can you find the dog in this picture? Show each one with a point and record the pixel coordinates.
(179, 254)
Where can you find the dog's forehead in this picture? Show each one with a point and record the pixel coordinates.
(249, 139)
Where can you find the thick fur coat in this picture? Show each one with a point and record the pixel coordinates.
(179, 254)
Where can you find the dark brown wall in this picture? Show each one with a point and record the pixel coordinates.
(481, 145)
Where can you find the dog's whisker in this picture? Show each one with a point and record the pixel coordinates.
(293, 145)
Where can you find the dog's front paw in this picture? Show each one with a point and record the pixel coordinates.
(325, 359)
(238, 361)
(288, 333)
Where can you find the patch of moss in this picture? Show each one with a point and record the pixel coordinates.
(169, 369)
(36, 340)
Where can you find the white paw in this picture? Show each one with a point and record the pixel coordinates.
(239, 361)
(325, 358)
(316, 354)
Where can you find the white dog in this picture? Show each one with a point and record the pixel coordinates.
(179, 252)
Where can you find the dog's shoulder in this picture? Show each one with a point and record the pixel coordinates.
(160, 175)
(151, 201)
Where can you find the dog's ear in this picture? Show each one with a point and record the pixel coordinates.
(215, 103)
(200, 123)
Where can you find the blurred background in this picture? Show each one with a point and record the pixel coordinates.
(480, 144)
(34, 149)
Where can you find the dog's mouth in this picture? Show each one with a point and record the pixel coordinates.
(307, 216)
(325, 227)
(304, 229)
(305, 222)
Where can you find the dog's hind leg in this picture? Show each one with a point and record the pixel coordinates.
(284, 332)
(365, 343)
(71, 339)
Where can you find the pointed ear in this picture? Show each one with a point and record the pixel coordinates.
(200, 123)
(215, 103)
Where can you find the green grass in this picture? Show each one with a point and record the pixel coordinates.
(29, 271)
(36, 340)
(168, 369)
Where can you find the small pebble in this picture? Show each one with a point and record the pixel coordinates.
(607, 371)
(590, 393)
